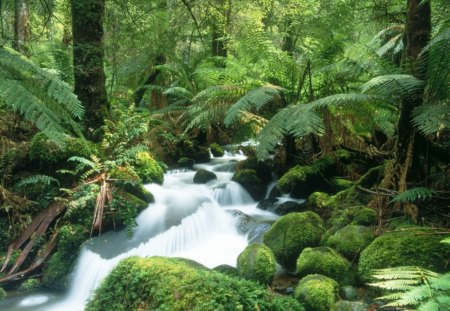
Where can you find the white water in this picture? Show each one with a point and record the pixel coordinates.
(186, 220)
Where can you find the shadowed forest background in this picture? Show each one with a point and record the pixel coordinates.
(343, 105)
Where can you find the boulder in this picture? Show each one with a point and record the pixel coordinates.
(227, 270)
(255, 235)
(244, 222)
(289, 207)
(350, 306)
(290, 234)
(267, 204)
(409, 247)
(159, 283)
(316, 292)
(257, 263)
(251, 182)
(185, 163)
(325, 261)
(216, 150)
(351, 240)
(148, 169)
(203, 176)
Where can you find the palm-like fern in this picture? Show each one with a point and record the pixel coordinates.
(38, 96)
(414, 287)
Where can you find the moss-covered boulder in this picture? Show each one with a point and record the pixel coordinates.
(316, 292)
(203, 176)
(301, 181)
(216, 150)
(263, 169)
(319, 200)
(257, 263)
(356, 215)
(185, 163)
(351, 240)
(148, 169)
(323, 260)
(365, 217)
(227, 270)
(290, 234)
(289, 207)
(350, 306)
(408, 247)
(171, 284)
(249, 179)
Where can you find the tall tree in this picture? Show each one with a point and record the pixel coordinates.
(22, 27)
(88, 54)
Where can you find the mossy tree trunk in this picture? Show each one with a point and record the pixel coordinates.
(22, 27)
(88, 53)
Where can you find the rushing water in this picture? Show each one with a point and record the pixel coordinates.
(198, 222)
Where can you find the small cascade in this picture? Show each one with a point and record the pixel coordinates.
(186, 220)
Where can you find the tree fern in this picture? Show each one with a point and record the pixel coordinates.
(38, 96)
(37, 179)
(397, 86)
(414, 194)
(414, 287)
(432, 118)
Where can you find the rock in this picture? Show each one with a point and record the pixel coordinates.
(289, 207)
(350, 306)
(290, 234)
(185, 163)
(250, 181)
(216, 150)
(263, 169)
(301, 181)
(227, 270)
(204, 176)
(316, 292)
(410, 247)
(267, 204)
(351, 240)
(357, 215)
(323, 260)
(349, 292)
(148, 169)
(257, 263)
(159, 283)
(255, 235)
(319, 200)
(365, 217)
(245, 222)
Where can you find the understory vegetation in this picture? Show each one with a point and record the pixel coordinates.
(346, 105)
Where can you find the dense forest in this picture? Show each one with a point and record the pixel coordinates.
(330, 118)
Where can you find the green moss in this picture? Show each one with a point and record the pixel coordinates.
(316, 292)
(319, 199)
(263, 169)
(408, 247)
(2, 294)
(203, 176)
(365, 217)
(322, 260)
(216, 150)
(148, 168)
(29, 284)
(290, 234)
(227, 270)
(185, 163)
(171, 284)
(351, 240)
(257, 262)
(341, 183)
(251, 182)
(301, 181)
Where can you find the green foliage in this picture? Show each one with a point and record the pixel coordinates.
(414, 194)
(290, 234)
(316, 292)
(39, 96)
(414, 287)
(410, 246)
(30, 284)
(323, 260)
(257, 262)
(351, 240)
(2, 294)
(148, 169)
(173, 284)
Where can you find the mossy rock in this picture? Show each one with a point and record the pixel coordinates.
(138, 190)
(29, 285)
(249, 179)
(257, 263)
(350, 306)
(356, 215)
(185, 163)
(340, 183)
(290, 234)
(158, 283)
(365, 217)
(216, 150)
(263, 169)
(323, 260)
(316, 292)
(2, 294)
(319, 200)
(408, 247)
(227, 270)
(301, 181)
(203, 176)
(148, 169)
(351, 240)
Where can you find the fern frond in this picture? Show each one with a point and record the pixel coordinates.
(446, 240)
(411, 195)
(432, 118)
(36, 180)
(394, 86)
(337, 100)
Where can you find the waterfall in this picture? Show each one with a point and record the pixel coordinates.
(186, 220)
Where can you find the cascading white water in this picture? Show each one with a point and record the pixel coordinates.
(192, 221)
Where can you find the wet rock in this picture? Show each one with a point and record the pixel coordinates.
(255, 235)
(350, 306)
(267, 204)
(290, 207)
(349, 292)
(186, 163)
(204, 176)
(245, 222)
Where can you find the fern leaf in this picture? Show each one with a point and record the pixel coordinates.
(37, 179)
(419, 193)
(432, 118)
(394, 86)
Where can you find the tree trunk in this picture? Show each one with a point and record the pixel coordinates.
(22, 29)
(151, 79)
(88, 52)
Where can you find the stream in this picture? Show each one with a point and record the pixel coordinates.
(206, 223)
